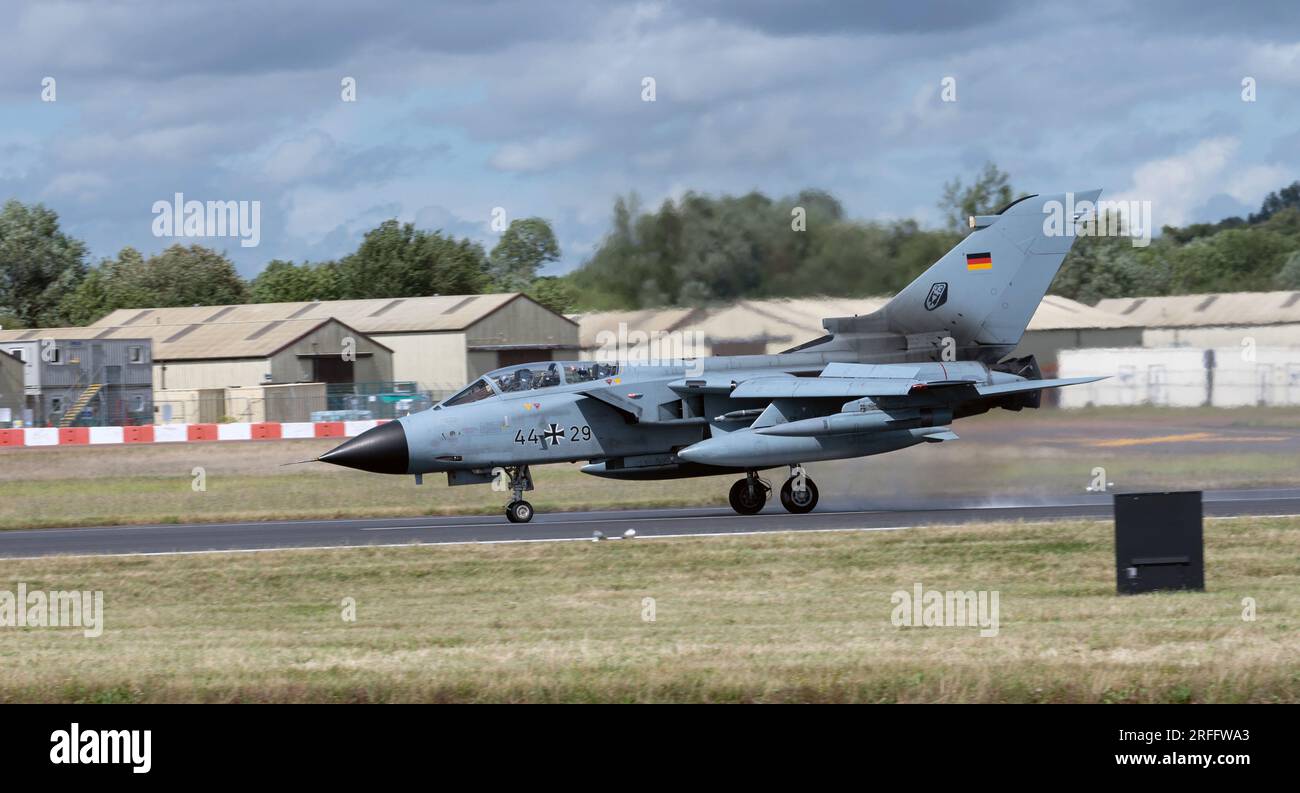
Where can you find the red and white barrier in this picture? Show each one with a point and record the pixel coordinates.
(183, 433)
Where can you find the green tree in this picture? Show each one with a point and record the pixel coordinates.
(178, 276)
(990, 191)
(1286, 198)
(39, 264)
(523, 249)
(1100, 267)
(1285, 222)
(555, 292)
(703, 249)
(1289, 276)
(115, 283)
(193, 276)
(1235, 260)
(1185, 234)
(398, 260)
(88, 301)
(820, 205)
(285, 282)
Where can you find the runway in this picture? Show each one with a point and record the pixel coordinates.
(567, 526)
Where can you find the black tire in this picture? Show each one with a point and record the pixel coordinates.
(799, 502)
(743, 502)
(519, 512)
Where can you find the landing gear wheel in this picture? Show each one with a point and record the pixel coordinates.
(747, 500)
(519, 512)
(521, 480)
(799, 501)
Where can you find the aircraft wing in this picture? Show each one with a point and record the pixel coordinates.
(861, 380)
(1033, 385)
(801, 387)
(617, 399)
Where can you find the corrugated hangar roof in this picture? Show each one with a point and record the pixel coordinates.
(1062, 313)
(379, 315)
(797, 320)
(193, 341)
(1226, 308)
(36, 334)
(647, 319)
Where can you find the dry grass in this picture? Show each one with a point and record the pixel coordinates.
(80, 486)
(1042, 453)
(770, 618)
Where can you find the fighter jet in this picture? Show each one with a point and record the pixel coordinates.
(936, 352)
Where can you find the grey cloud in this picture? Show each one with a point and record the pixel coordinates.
(829, 16)
(249, 37)
(538, 106)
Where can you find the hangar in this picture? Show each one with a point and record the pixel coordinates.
(764, 327)
(1226, 350)
(192, 372)
(439, 343)
(1271, 319)
(1185, 376)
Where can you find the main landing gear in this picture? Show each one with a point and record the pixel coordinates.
(518, 510)
(798, 494)
(749, 495)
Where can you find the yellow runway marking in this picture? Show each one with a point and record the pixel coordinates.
(1189, 437)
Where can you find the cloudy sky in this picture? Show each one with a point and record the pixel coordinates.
(538, 108)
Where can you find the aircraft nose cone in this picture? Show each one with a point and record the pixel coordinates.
(380, 450)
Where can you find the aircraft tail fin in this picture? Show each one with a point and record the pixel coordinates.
(984, 291)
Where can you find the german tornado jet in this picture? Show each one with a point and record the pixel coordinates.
(898, 377)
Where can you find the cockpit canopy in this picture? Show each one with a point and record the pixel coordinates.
(532, 376)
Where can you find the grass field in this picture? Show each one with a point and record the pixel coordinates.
(766, 618)
(1042, 453)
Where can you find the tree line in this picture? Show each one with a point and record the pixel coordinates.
(696, 250)
(45, 280)
(702, 249)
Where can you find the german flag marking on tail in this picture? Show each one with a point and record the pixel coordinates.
(979, 261)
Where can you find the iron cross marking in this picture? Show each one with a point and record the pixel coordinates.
(554, 434)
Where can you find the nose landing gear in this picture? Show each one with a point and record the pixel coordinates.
(518, 510)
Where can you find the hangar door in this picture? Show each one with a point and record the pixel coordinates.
(331, 369)
(514, 357)
(212, 405)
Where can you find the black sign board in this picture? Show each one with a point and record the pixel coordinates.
(1158, 542)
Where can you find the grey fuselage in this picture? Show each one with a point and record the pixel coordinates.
(632, 425)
